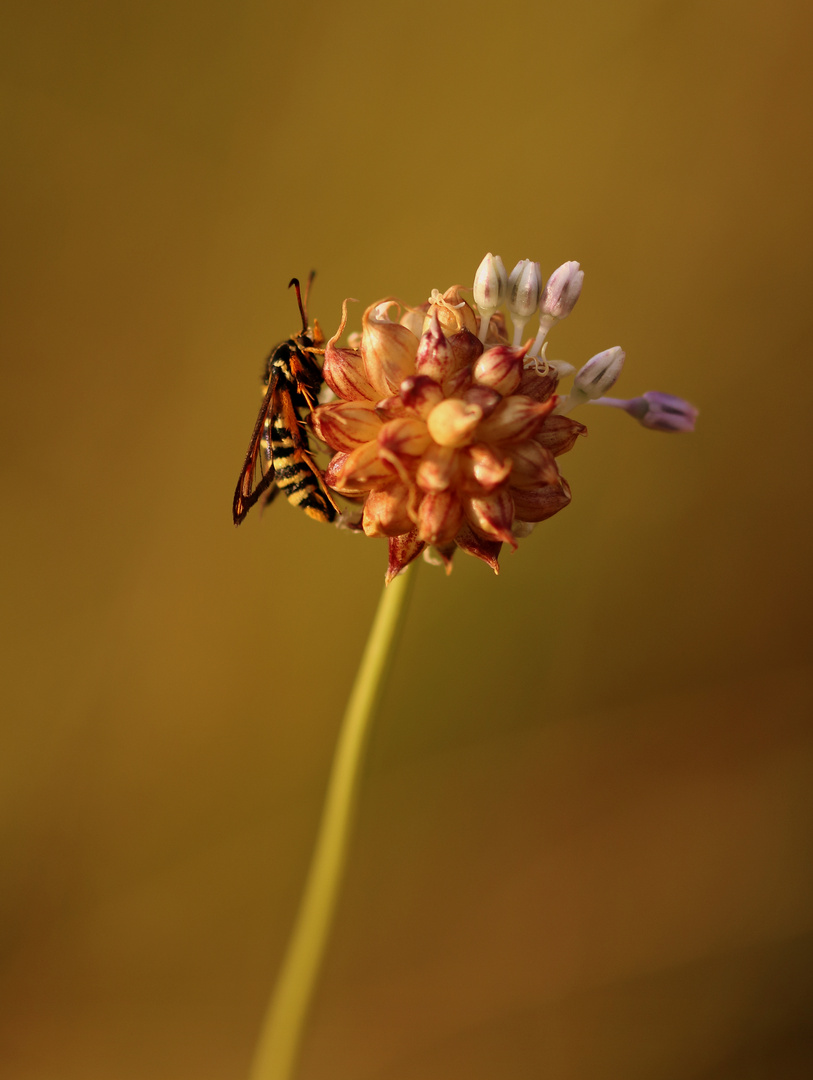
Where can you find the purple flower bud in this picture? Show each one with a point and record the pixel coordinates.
(561, 292)
(558, 299)
(661, 412)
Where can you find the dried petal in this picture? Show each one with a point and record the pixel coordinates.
(559, 433)
(537, 504)
(539, 381)
(533, 465)
(466, 348)
(487, 550)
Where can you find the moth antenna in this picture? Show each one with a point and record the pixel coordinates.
(311, 276)
(295, 282)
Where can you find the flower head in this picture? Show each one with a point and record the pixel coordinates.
(445, 433)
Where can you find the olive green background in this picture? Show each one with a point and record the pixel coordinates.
(584, 846)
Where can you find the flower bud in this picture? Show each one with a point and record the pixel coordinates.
(385, 512)
(524, 287)
(500, 369)
(484, 468)
(453, 422)
(561, 292)
(420, 393)
(490, 284)
(558, 299)
(661, 412)
(591, 381)
(435, 357)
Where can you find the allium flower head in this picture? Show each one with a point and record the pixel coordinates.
(445, 433)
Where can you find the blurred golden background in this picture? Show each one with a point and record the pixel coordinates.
(584, 847)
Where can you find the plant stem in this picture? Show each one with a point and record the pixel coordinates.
(281, 1034)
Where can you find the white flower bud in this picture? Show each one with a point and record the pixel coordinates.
(490, 288)
(597, 376)
(524, 287)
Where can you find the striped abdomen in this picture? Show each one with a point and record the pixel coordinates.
(293, 471)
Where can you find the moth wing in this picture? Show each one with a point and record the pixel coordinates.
(257, 478)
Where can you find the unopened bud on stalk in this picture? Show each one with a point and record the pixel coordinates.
(661, 412)
(524, 287)
(558, 299)
(490, 288)
(598, 374)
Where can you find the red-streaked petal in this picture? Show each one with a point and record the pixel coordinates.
(358, 471)
(402, 550)
(343, 369)
(515, 419)
(406, 436)
(346, 425)
(438, 468)
(388, 349)
(435, 357)
(421, 394)
(440, 516)
(491, 516)
(500, 369)
(483, 468)
(386, 512)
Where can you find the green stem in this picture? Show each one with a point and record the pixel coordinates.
(280, 1038)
